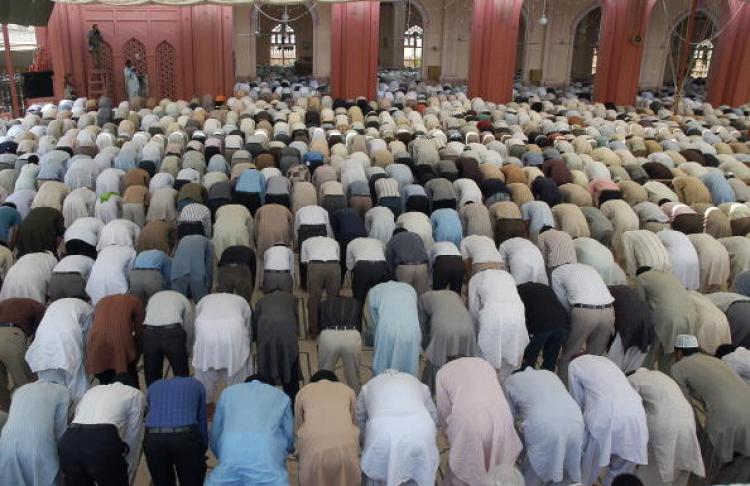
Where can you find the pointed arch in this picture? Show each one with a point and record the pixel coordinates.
(134, 51)
(166, 56)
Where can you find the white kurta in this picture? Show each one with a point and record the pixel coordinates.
(122, 406)
(612, 411)
(551, 423)
(109, 275)
(120, 232)
(499, 312)
(397, 420)
(524, 261)
(713, 325)
(29, 276)
(78, 204)
(739, 361)
(672, 437)
(59, 343)
(683, 257)
(223, 333)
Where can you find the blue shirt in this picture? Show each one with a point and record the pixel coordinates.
(251, 181)
(721, 191)
(9, 217)
(177, 402)
(446, 226)
(154, 260)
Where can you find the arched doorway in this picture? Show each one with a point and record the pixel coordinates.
(701, 49)
(283, 40)
(585, 47)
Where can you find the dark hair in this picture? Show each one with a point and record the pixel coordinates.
(664, 201)
(627, 480)
(546, 227)
(642, 270)
(259, 377)
(9, 205)
(724, 349)
(688, 351)
(323, 375)
(399, 230)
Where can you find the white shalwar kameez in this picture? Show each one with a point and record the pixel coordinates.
(58, 350)
(616, 429)
(109, 275)
(397, 421)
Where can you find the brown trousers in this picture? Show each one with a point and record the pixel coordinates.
(235, 279)
(414, 275)
(589, 329)
(320, 276)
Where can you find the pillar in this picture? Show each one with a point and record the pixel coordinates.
(621, 43)
(492, 61)
(322, 43)
(729, 75)
(354, 48)
(244, 42)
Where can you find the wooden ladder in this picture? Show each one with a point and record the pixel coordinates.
(98, 83)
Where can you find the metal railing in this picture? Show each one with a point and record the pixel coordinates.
(6, 101)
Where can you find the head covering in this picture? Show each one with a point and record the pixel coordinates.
(685, 341)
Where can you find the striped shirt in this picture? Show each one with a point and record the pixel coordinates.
(557, 248)
(197, 213)
(643, 248)
(387, 187)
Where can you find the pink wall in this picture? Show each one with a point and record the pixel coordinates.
(200, 35)
(618, 66)
(354, 48)
(494, 34)
(729, 80)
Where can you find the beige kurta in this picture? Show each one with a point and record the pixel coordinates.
(327, 435)
(714, 262)
(623, 219)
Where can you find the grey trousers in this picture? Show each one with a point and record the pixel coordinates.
(67, 285)
(414, 275)
(134, 212)
(589, 329)
(277, 281)
(320, 277)
(650, 474)
(145, 282)
(12, 362)
(345, 345)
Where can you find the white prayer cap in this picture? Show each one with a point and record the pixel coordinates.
(686, 341)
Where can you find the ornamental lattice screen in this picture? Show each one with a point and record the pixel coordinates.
(134, 51)
(166, 59)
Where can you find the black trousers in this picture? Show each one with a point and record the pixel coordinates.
(448, 271)
(251, 200)
(128, 378)
(443, 203)
(418, 204)
(292, 388)
(366, 275)
(186, 228)
(80, 247)
(179, 455)
(93, 455)
(282, 199)
(549, 343)
(159, 342)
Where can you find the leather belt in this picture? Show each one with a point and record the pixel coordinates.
(587, 306)
(339, 328)
(169, 430)
(413, 263)
(278, 271)
(323, 261)
(168, 326)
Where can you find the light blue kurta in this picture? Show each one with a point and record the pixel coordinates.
(28, 444)
(252, 433)
(395, 321)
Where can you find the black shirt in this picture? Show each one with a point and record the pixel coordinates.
(632, 318)
(544, 312)
(342, 312)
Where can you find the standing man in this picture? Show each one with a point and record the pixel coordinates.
(725, 437)
(95, 40)
(616, 429)
(552, 426)
(581, 290)
(478, 442)
(176, 432)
